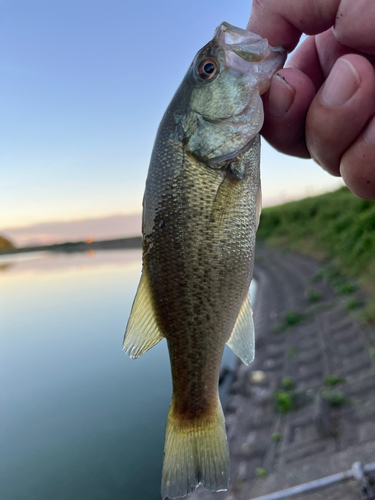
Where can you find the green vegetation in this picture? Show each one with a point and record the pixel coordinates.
(367, 314)
(371, 352)
(332, 380)
(334, 398)
(240, 480)
(345, 288)
(314, 296)
(276, 436)
(287, 383)
(260, 472)
(333, 275)
(317, 277)
(337, 226)
(291, 352)
(292, 318)
(352, 303)
(285, 401)
(5, 244)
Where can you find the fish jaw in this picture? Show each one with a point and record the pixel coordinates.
(250, 54)
(224, 115)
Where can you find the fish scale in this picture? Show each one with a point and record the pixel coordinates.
(200, 214)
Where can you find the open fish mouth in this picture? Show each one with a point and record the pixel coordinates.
(248, 53)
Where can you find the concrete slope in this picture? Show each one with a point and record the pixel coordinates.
(317, 439)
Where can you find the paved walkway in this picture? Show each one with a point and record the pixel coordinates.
(317, 439)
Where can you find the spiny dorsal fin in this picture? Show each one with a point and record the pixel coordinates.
(242, 340)
(258, 204)
(142, 331)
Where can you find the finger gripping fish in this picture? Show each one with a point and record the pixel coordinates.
(200, 213)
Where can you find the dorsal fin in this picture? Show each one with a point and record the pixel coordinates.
(258, 204)
(142, 331)
(242, 339)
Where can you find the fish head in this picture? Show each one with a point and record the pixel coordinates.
(223, 111)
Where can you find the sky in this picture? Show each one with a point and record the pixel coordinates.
(83, 86)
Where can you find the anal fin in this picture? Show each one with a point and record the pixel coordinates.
(242, 339)
(142, 331)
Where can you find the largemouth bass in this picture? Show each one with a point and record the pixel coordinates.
(200, 213)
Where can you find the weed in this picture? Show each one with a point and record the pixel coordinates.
(371, 352)
(332, 380)
(332, 273)
(292, 318)
(352, 303)
(346, 287)
(317, 277)
(285, 401)
(367, 314)
(291, 352)
(334, 398)
(314, 296)
(287, 383)
(276, 436)
(260, 472)
(335, 225)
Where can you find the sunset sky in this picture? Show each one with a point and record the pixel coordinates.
(83, 86)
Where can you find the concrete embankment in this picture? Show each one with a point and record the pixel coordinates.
(305, 408)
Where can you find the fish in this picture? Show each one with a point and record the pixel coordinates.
(201, 210)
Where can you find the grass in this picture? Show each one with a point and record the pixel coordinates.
(291, 352)
(260, 472)
(332, 380)
(276, 436)
(285, 401)
(334, 398)
(287, 383)
(367, 314)
(371, 352)
(337, 226)
(314, 296)
(344, 288)
(292, 318)
(352, 303)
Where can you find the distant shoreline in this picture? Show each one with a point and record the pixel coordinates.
(81, 246)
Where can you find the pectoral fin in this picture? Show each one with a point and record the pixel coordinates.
(242, 340)
(142, 331)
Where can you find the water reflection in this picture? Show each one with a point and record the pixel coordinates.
(78, 418)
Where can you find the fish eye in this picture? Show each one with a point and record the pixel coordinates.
(207, 69)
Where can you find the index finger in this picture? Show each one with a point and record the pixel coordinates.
(283, 22)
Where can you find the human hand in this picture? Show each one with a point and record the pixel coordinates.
(322, 104)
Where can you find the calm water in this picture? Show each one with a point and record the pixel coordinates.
(79, 420)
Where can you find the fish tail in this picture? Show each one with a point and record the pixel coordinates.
(195, 452)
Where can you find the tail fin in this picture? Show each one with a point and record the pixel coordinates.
(195, 452)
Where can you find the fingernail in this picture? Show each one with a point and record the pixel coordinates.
(369, 133)
(341, 84)
(281, 96)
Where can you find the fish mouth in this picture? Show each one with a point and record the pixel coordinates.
(246, 52)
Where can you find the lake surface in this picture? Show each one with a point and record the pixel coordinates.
(79, 420)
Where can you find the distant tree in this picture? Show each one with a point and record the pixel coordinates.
(5, 244)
